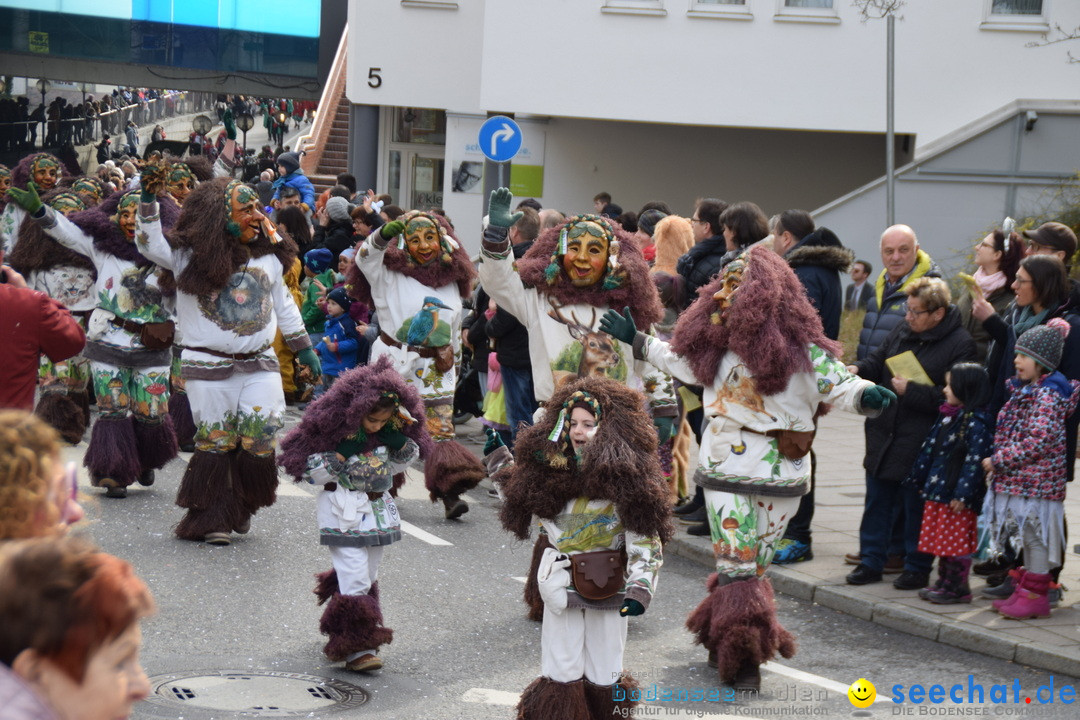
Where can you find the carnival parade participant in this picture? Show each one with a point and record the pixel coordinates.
(229, 263)
(128, 341)
(756, 345)
(559, 291)
(415, 273)
(356, 441)
(589, 472)
(45, 171)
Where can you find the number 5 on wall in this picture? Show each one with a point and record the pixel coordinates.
(374, 78)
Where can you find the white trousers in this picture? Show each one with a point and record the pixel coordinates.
(578, 643)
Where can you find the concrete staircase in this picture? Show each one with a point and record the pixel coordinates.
(334, 158)
(326, 147)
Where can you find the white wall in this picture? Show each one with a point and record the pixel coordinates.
(566, 58)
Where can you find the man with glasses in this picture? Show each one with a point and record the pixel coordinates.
(1052, 238)
(703, 262)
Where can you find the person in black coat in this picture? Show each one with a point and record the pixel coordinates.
(703, 262)
(932, 330)
(818, 258)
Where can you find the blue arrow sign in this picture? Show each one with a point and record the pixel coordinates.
(500, 138)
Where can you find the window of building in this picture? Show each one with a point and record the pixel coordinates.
(807, 11)
(634, 7)
(720, 9)
(1016, 15)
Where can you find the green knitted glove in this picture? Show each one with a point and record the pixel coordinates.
(392, 229)
(876, 397)
(499, 209)
(631, 608)
(620, 327)
(308, 358)
(391, 438)
(230, 124)
(27, 199)
(665, 428)
(494, 441)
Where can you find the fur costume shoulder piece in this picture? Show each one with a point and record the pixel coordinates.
(216, 254)
(98, 223)
(636, 292)
(338, 414)
(435, 274)
(770, 325)
(620, 464)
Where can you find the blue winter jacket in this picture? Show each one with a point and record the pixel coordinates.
(298, 180)
(341, 330)
(884, 313)
(939, 475)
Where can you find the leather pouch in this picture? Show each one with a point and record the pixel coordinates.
(157, 336)
(794, 444)
(444, 358)
(600, 574)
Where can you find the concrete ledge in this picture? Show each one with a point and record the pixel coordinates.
(846, 600)
(907, 619)
(793, 583)
(699, 552)
(1061, 659)
(978, 640)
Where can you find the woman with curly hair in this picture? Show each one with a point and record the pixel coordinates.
(588, 473)
(356, 441)
(37, 490)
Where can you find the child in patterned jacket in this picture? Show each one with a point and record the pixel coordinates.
(356, 441)
(1028, 467)
(949, 474)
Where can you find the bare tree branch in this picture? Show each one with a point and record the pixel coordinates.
(877, 9)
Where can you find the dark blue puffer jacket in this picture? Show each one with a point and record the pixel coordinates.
(883, 314)
(818, 259)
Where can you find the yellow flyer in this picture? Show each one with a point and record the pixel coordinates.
(907, 366)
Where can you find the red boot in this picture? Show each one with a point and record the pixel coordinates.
(1029, 600)
(1016, 575)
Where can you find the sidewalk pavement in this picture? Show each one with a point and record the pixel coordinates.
(1052, 644)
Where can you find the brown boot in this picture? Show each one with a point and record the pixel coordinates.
(455, 507)
(747, 677)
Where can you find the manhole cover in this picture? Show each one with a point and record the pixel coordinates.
(258, 694)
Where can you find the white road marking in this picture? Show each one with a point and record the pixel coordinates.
(520, 579)
(409, 529)
(291, 489)
(813, 679)
(490, 697)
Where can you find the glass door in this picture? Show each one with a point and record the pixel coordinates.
(426, 181)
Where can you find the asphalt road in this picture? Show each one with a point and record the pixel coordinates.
(463, 648)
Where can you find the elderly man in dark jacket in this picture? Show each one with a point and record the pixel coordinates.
(904, 263)
(932, 330)
(818, 258)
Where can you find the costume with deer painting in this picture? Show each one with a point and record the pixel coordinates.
(756, 345)
(558, 291)
(415, 273)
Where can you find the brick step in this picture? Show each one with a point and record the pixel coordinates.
(330, 155)
(333, 167)
(340, 146)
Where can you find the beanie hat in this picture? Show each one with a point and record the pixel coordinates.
(318, 260)
(338, 209)
(647, 222)
(290, 161)
(339, 296)
(1043, 343)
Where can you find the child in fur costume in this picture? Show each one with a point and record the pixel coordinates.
(589, 473)
(414, 273)
(133, 435)
(69, 277)
(356, 441)
(756, 345)
(559, 290)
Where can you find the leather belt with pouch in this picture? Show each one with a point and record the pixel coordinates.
(153, 336)
(443, 355)
(600, 574)
(794, 444)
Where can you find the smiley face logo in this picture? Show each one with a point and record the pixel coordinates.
(862, 693)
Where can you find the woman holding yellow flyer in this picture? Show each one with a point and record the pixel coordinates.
(997, 258)
(917, 352)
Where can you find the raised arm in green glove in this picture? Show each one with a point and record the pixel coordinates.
(620, 327)
(494, 441)
(499, 209)
(27, 199)
(392, 229)
(308, 358)
(230, 124)
(665, 428)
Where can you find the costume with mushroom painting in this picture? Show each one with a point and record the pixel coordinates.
(133, 435)
(756, 345)
(415, 276)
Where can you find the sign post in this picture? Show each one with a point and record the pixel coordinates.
(500, 140)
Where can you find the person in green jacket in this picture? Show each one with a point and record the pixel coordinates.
(320, 273)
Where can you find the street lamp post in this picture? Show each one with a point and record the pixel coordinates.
(245, 122)
(44, 86)
(201, 125)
